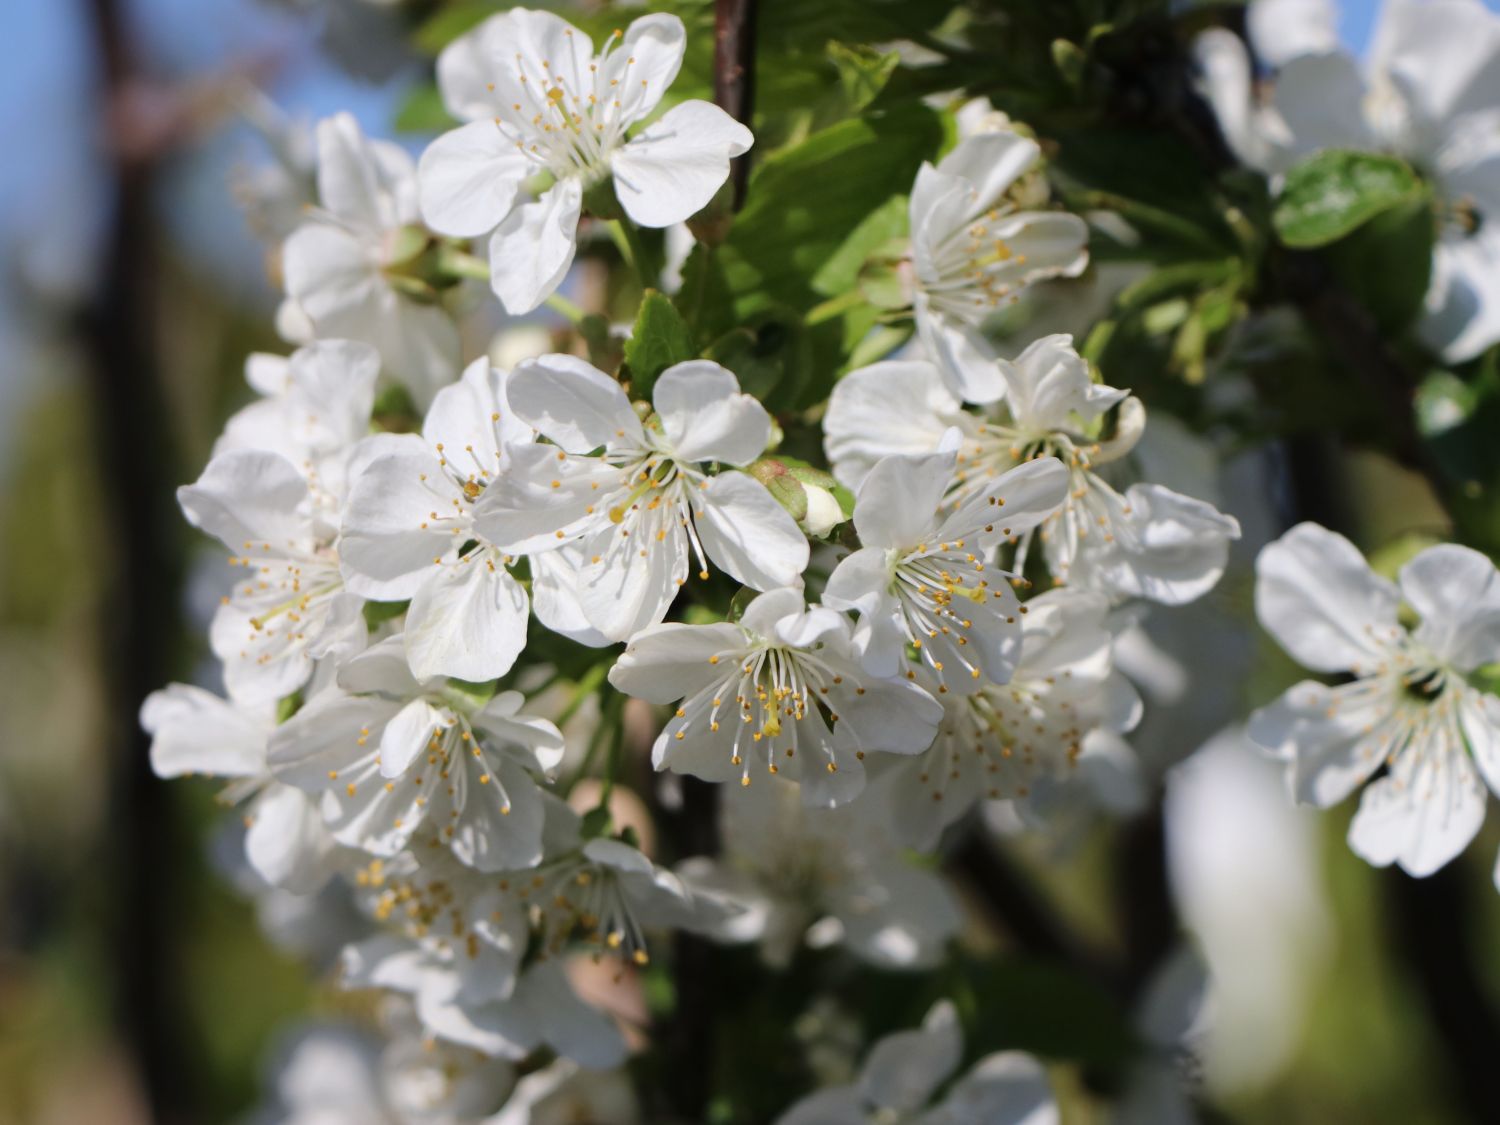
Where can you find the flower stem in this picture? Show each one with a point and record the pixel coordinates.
(566, 308)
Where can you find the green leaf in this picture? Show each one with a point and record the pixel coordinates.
(1334, 192)
(805, 202)
(660, 338)
(378, 613)
(1387, 263)
(863, 71)
(840, 272)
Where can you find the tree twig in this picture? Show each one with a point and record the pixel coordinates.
(734, 74)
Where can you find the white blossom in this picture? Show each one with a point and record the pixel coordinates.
(292, 609)
(409, 532)
(642, 507)
(194, 732)
(392, 754)
(781, 687)
(1019, 741)
(1410, 707)
(976, 242)
(314, 408)
(1147, 541)
(925, 574)
(820, 877)
(340, 263)
(537, 100)
(904, 1070)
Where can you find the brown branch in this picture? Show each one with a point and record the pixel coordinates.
(734, 75)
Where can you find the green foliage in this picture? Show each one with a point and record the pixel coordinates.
(660, 338)
(1334, 192)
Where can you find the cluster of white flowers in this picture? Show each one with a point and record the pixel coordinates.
(441, 608)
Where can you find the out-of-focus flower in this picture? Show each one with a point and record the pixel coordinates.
(823, 877)
(1410, 707)
(1426, 92)
(903, 1072)
(345, 265)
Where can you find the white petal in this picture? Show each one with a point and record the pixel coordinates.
(748, 535)
(531, 250)
(645, 63)
(669, 662)
(904, 1069)
(705, 416)
(398, 524)
(1326, 735)
(839, 1105)
(1321, 100)
(380, 669)
(1171, 548)
(195, 731)
(1445, 57)
(1316, 595)
(1423, 813)
(469, 178)
(419, 342)
(963, 355)
(467, 621)
(897, 505)
(407, 736)
(543, 499)
(899, 717)
(332, 276)
(287, 844)
(571, 1027)
(634, 580)
(1479, 716)
(499, 826)
(1283, 29)
(673, 168)
(249, 500)
(893, 407)
(555, 601)
(1009, 1088)
(572, 403)
(361, 181)
(1462, 313)
(324, 736)
(473, 422)
(1456, 593)
(990, 162)
(903, 920)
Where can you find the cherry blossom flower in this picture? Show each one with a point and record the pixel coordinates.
(194, 731)
(822, 877)
(538, 100)
(393, 754)
(782, 687)
(646, 503)
(1410, 707)
(314, 408)
(925, 576)
(409, 532)
(1013, 742)
(977, 240)
(1147, 541)
(903, 1072)
(293, 609)
(343, 263)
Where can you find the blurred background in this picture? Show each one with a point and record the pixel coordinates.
(132, 291)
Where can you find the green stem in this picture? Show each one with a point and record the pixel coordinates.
(457, 263)
(637, 254)
(564, 307)
(834, 306)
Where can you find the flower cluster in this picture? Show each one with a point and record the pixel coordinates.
(468, 602)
